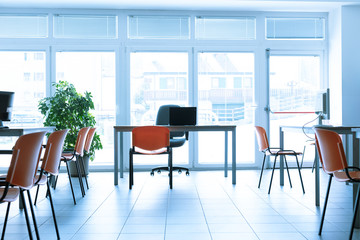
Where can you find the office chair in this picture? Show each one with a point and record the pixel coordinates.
(20, 176)
(89, 137)
(75, 156)
(268, 151)
(50, 167)
(177, 139)
(332, 157)
(150, 140)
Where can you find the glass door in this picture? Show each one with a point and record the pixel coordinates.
(294, 94)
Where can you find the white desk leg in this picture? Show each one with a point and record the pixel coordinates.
(226, 155)
(356, 155)
(317, 179)
(234, 156)
(281, 158)
(116, 157)
(121, 154)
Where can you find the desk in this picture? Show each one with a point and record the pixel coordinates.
(352, 154)
(118, 144)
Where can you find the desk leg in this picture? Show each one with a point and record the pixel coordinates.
(281, 158)
(356, 155)
(121, 154)
(226, 155)
(116, 157)
(234, 156)
(317, 179)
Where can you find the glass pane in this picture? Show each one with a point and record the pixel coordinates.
(158, 78)
(295, 28)
(159, 27)
(239, 28)
(93, 72)
(294, 87)
(23, 73)
(85, 26)
(226, 94)
(23, 26)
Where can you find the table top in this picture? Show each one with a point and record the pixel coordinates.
(335, 128)
(193, 128)
(18, 131)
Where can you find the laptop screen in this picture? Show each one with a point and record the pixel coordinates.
(182, 116)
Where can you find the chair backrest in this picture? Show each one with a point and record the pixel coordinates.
(331, 150)
(261, 138)
(89, 139)
(162, 118)
(151, 138)
(80, 141)
(25, 159)
(54, 148)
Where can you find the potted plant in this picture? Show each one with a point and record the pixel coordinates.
(68, 109)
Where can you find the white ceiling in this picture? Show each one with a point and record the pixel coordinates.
(218, 5)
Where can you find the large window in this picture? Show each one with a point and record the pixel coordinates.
(225, 96)
(93, 72)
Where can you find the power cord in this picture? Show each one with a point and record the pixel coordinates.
(303, 127)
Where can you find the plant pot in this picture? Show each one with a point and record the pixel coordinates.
(72, 166)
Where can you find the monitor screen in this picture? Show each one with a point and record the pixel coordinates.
(182, 116)
(6, 103)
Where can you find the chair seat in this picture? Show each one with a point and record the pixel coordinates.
(282, 152)
(42, 181)
(12, 194)
(342, 177)
(142, 151)
(67, 156)
(177, 142)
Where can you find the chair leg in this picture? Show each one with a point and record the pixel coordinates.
(302, 184)
(53, 210)
(325, 205)
(302, 158)
(272, 174)
(131, 176)
(79, 177)
(36, 195)
(83, 171)
(71, 186)
(5, 221)
(26, 213)
(356, 208)
(287, 169)
(170, 170)
(33, 215)
(262, 169)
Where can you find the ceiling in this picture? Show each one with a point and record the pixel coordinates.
(217, 5)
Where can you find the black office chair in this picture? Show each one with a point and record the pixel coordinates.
(177, 139)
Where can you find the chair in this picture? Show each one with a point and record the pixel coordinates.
(150, 140)
(333, 160)
(50, 167)
(87, 146)
(75, 156)
(268, 151)
(177, 139)
(20, 176)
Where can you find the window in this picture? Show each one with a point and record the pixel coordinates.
(159, 27)
(295, 28)
(23, 26)
(85, 26)
(230, 28)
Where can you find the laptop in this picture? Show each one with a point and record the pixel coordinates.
(182, 116)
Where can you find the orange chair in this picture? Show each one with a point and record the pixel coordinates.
(75, 156)
(20, 175)
(87, 146)
(333, 160)
(50, 167)
(150, 140)
(268, 151)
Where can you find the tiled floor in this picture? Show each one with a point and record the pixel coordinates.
(202, 206)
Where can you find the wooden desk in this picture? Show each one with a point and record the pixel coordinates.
(119, 139)
(351, 143)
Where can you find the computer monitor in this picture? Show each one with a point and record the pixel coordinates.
(182, 116)
(6, 104)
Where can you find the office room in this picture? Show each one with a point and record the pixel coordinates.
(92, 93)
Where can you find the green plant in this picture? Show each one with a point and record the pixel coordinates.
(68, 109)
